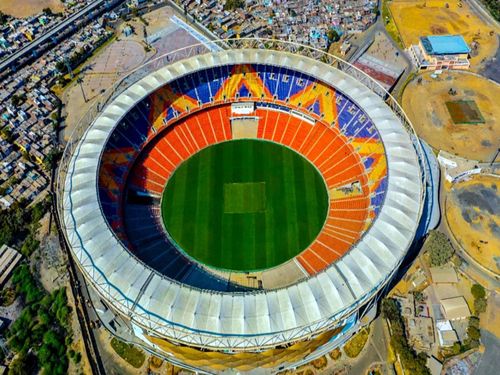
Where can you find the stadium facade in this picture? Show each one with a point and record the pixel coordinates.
(211, 320)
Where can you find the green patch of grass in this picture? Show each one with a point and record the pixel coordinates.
(279, 198)
(354, 346)
(245, 197)
(128, 352)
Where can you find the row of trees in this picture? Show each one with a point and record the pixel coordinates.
(20, 222)
(412, 362)
(81, 55)
(479, 295)
(494, 8)
(42, 333)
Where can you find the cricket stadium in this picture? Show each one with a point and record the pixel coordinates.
(242, 208)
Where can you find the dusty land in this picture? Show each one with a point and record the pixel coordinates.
(118, 58)
(418, 18)
(25, 8)
(473, 215)
(424, 104)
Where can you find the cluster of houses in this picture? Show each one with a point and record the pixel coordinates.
(16, 33)
(302, 21)
(28, 117)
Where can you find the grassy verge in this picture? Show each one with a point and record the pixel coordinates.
(357, 343)
(128, 352)
(390, 25)
(410, 78)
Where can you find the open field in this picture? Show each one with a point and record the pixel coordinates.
(418, 18)
(25, 8)
(245, 205)
(473, 215)
(425, 105)
(116, 59)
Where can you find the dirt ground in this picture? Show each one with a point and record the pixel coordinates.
(490, 320)
(473, 215)
(120, 57)
(413, 20)
(424, 103)
(101, 72)
(25, 8)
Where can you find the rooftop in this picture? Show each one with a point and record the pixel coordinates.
(455, 308)
(443, 274)
(444, 44)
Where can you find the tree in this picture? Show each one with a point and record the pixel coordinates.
(390, 308)
(6, 134)
(439, 247)
(333, 35)
(456, 348)
(473, 333)
(3, 18)
(29, 245)
(17, 100)
(478, 291)
(480, 305)
(52, 158)
(234, 4)
(22, 364)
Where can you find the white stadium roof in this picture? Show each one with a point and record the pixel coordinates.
(258, 318)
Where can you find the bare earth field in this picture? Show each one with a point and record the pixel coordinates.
(25, 8)
(424, 103)
(418, 18)
(100, 73)
(120, 57)
(473, 215)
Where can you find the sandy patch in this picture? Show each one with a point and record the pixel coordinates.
(424, 104)
(25, 8)
(473, 215)
(413, 20)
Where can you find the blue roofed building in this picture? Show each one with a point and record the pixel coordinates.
(436, 52)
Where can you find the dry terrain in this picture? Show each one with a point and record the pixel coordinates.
(473, 215)
(424, 103)
(418, 18)
(25, 8)
(118, 58)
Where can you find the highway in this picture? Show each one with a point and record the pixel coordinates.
(54, 32)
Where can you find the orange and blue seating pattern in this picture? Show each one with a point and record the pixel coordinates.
(194, 112)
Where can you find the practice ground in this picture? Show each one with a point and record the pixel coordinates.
(25, 8)
(413, 20)
(473, 215)
(245, 205)
(425, 105)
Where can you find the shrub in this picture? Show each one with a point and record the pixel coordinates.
(478, 291)
(128, 352)
(354, 346)
(480, 305)
(439, 247)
